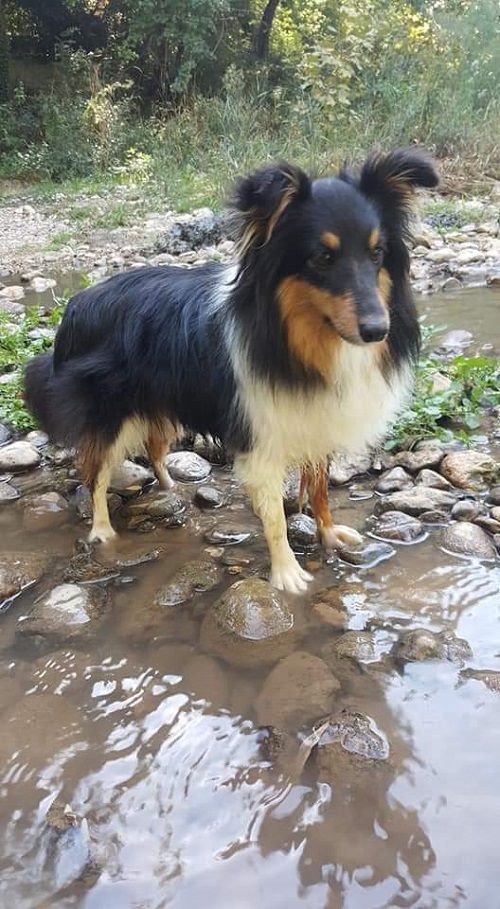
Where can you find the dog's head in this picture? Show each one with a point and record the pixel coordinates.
(331, 247)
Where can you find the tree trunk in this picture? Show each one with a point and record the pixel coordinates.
(263, 33)
(55, 18)
(4, 57)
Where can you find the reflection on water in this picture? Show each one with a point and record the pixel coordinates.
(156, 746)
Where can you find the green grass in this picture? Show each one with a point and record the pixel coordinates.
(59, 240)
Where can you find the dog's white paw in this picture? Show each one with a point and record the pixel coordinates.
(339, 535)
(290, 576)
(102, 535)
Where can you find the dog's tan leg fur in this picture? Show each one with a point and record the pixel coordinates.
(160, 437)
(96, 464)
(332, 535)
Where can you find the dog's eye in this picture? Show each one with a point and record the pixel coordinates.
(323, 259)
(377, 255)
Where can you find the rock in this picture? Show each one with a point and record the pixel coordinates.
(414, 461)
(468, 539)
(227, 535)
(470, 469)
(44, 512)
(129, 477)
(440, 383)
(466, 510)
(344, 468)
(194, 577)
(399, 527)
(468, 255)
(37, 438)
(360, 492)
(489, 677)
(21, 569)
(291, 494)
(359, 646)
(487, 523)
(416, 501)
(5, 434)
(11, 307)
(494, 495)
(495, 512)
(204, 678)
(41, 285)
(19, 456)
(366, 555)
(187, 466)
(423, 644)
(351, 744)
(209, 497)
(68, 611)
(299, 690)
(165, 505)
(188, 232)
(434, 517)
(8, 493)
(249, 625)
(493, 280)
(451, 283)
(433, 479)
(83, 566)
(441, 256)
(329, 615)
(393, 480)
(302, 531)
(12, 292)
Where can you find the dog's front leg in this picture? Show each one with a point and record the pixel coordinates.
(266, 493)
(333, 536)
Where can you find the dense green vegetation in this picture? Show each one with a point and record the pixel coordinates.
(180, 94)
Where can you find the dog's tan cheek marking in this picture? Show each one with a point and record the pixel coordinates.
(331, 240)
(303, 309)
(374, 238)
(384, 285)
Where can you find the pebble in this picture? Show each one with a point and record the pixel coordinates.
(434, 479)
(470, 469)
(366, 555)
(197, 576)
(399, 527)
(351, 744)
(21, 569)
(40, 285)
(8, 493)
(227, 535)
(416, 501)
(414, 461)
(466, 510)
(45, 512)
(359, 646)
(302, 531)
(393, 480)
(489, 677)
(344, 468)
(187, 466)
(464, 538)
(5, 434)
(249, 625)
(68, 611)
(18, 456)
(209, 497)
(165, 505)
(128, 477)
(300, 689)
(421, 644)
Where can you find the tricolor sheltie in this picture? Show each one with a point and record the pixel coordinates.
(303, 347)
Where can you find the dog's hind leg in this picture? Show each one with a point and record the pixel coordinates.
(160, 436)
(96, 463)
(332, 535)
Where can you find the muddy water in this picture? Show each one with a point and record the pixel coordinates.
(159, 751)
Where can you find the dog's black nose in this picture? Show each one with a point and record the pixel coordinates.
(374, 330)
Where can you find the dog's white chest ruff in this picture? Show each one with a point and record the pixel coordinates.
(353, 413)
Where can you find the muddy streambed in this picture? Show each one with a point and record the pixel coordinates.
(183, 757)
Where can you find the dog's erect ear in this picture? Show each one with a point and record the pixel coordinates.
(390, 180)
(262, 198)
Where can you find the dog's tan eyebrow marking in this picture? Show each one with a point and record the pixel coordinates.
(331, 240)
(374, 238)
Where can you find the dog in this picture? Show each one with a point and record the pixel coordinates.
(302, 347)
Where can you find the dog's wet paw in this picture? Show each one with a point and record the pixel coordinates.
(290, 577)
(338, 536)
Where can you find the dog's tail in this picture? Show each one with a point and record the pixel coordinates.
(38, 391)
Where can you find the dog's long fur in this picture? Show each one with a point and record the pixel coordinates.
(303, 347)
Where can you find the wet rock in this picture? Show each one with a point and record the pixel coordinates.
(19, 456)
(37, 438)
(414, 461)
(45, 512)
(421, 644)
(209, 497)
(360, 492)
(129, 477)
(291, 494)
(299, 690)
(165, 506)
(495, 511)
(399, 527)
(487, 523)
(330, 614)
(451, 283)
(249, 625)
(277, 746)
(12, 292)
(494, 495)
(69, 611)
(187, 466)
(8, 493)
(456, 340)
(393, 480)
(351, 744)
(344, 468)
(227, 535)
(470, 469)
(416, 501)
(11, 307)
(489, 677)
(204, 678)
(5, 434)
(194, 577)
(468, 539)
(368, 554)
(69, 855)
(466, 510)
(21, 569)
(435, 517)
(359, 646)
(60, 817)
(40, 285)
(433, 479)
(302, 531)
